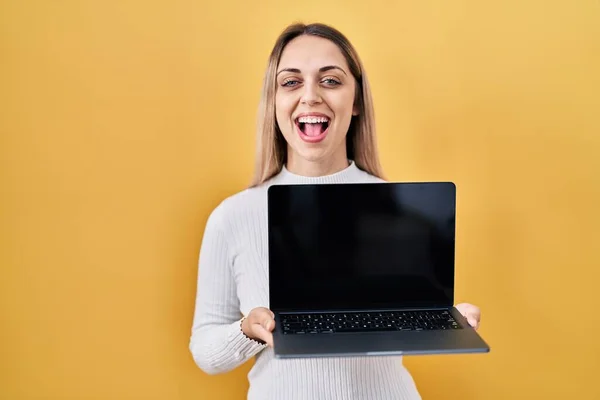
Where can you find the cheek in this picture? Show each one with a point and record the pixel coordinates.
(283, 110)
(278, 109)
(343, 104)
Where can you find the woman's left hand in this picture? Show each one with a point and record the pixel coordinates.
(471, 313)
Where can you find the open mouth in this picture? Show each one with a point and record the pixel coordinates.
(312, 128)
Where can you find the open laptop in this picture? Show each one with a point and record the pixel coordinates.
(365, 269)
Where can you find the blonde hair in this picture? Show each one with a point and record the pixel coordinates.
(361, 142)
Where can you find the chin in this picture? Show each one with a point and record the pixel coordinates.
(312, 154)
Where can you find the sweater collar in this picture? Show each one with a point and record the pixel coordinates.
(348, 174)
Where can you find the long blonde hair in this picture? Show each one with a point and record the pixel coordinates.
(361, 141)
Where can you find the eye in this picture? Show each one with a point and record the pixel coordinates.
(289, 82)
(331, 82)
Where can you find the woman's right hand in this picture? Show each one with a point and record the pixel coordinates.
(259, 325)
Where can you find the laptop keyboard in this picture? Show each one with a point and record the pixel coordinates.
(367, 322)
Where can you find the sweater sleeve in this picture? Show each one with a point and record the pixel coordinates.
(217, 342)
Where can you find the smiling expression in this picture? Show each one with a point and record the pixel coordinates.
(314, 102)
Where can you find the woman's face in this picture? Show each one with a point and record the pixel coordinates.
(314, 102)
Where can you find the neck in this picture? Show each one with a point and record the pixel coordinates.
(303, 167)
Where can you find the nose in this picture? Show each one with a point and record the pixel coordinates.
(310, 94)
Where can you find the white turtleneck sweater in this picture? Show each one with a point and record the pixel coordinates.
(233, 279)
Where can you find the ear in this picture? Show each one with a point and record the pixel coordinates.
(355, 110)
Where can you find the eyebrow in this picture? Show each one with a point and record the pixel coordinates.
(322, 69)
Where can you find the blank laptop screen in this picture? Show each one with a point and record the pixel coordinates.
(361, 246)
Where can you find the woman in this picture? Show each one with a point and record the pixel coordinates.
(316, 125)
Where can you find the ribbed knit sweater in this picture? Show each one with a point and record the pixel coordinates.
(233, 279)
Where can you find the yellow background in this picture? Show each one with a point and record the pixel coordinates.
(123, 123)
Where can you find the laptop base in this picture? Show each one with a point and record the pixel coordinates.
(379, 343)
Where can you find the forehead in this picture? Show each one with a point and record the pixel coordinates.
(311, 53)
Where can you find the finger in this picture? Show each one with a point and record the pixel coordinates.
(263, 319)
(461, 309)
(265, 313)
(269, 324)
(259, 314)
(263, 334)
(469, 310)
(473, 322)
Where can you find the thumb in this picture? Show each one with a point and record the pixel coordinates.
(268, 323)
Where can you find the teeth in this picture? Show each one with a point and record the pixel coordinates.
(313, 120)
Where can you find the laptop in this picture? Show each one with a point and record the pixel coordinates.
(360, 269)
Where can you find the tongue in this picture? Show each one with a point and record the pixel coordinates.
(313, 129)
